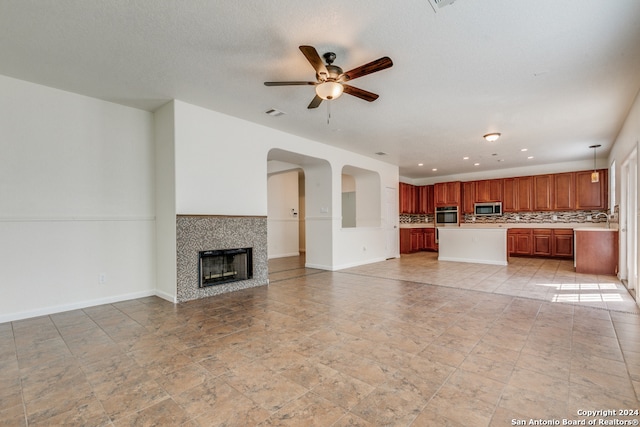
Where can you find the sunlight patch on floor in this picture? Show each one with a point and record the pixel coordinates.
(580, 286)
(587, 298)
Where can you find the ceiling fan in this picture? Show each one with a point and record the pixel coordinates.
(330, 79)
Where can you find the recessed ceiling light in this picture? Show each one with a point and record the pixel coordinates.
(476, 164)
(530, 157)
(491, 136)
(434, 169)
(524, 149)
(420, 164)
(381, 153)
(465, 158)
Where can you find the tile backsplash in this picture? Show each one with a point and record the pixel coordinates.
(588, 217)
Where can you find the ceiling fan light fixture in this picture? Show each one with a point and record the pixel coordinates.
(329, 90)
(491, 137)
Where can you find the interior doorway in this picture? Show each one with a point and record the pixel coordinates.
(629, 222)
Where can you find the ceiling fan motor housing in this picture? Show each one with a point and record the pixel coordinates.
(334, 75)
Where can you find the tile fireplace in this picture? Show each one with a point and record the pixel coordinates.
(233, 240)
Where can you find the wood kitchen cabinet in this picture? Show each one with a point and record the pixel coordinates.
(517, 194)
(488, 190)
(542, 242)
(407, 198)
(430, 239)
(405, 241)
(546, 242)
(564, 188)
(424, 199)
(468, 197)
(447, 193)
(562, 244)
(417, 239)
(591, 195)
(519, 241)
(542, 192)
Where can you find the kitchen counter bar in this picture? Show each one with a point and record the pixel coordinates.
(476, 245)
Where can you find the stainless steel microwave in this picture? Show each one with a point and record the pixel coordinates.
(488, 209)
(446, 215)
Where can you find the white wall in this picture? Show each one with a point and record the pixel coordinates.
(230, 156)
(165, 190)
(283, 212)
(627, 139)
(221, 163)
(76, 201)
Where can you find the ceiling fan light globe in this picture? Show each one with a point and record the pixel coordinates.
(329, 90)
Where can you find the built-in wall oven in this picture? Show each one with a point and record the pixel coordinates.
(446, 215)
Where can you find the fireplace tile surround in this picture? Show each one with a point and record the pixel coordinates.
(195, 233)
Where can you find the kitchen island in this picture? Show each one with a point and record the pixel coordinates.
(476, 245)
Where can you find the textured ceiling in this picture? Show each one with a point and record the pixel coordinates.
(551, 76)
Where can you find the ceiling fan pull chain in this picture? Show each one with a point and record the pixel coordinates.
(328, 112)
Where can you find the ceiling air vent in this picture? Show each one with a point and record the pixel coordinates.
(439, 4)
(273, 112)
(381, 153)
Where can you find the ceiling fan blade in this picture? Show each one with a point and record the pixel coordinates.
(289, 83)
(315, 102)
(371, 67)
(314, 59)
(360, 93)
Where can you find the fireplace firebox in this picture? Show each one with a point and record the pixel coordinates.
(224, 265)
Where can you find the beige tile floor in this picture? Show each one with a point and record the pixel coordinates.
(403, 342)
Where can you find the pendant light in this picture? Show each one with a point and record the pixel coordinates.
(595, 175)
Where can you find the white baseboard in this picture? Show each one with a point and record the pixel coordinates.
(474, 261)
(166, 296)
(284, 255)
(75, 306)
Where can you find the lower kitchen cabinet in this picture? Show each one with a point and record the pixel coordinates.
(417, 239)
(544, 242)
(519, 241)
(563, 243)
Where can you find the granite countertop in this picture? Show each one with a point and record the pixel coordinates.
(418, 225)
(595, 229)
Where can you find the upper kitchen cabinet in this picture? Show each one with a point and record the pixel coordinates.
(447, 193)
(518, 194)
(407, 198)
(591, 195)
(468, 197)
(424, 197)
(542, 192)
(564, 188)
(488, 190)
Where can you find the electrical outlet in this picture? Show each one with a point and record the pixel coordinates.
(102, 278)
